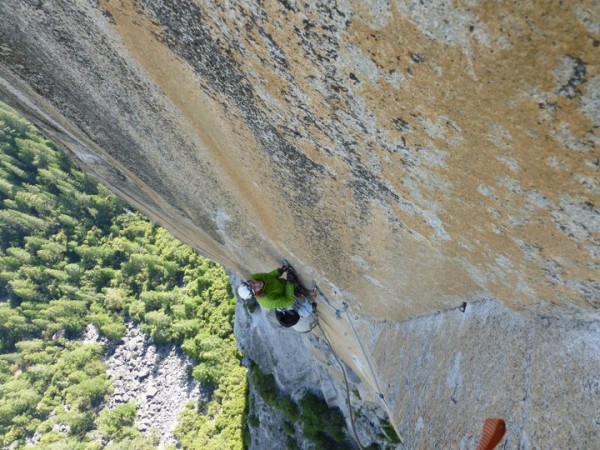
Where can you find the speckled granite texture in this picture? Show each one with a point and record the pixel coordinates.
(407, 155)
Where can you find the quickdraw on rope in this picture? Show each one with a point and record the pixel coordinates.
(317, 290)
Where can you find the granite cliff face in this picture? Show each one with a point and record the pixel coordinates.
(408, 156)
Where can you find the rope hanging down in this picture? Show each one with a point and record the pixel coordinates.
(338, 314)
(341, 364)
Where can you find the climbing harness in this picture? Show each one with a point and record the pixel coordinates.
(302, 315)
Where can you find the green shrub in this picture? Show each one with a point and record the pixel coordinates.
(291, 444)
(89, 393)
(115, 299)
(288, 427)
(264, 384)
(113, 331)
(79, 423)
(389, 433)
(114, 423)
(137, 310)
(288, 407)
(322, 425)
(110, 325)
(71, 254)
(253, 420)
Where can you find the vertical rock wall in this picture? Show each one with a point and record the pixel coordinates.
(447, 372)
(407, 155)
(411, 154)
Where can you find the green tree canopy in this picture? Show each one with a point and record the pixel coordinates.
(72, 254)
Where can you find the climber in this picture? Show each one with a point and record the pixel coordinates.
(272, 291)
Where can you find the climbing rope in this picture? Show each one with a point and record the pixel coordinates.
(342, 366)
(381, 396)
(338, 314)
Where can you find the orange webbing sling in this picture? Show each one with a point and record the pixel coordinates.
(493, 432)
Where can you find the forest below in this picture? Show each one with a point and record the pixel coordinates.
(72, 254)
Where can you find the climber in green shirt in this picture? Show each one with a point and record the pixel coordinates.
(274, 292)
(270, 290)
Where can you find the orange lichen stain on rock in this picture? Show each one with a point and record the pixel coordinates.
(218, 131)
(504, 143)
(308, 124)
(475, 110)
(472, 135)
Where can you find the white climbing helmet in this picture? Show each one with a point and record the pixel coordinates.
(245, 291)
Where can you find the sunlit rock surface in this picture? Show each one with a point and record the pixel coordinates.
(407, 155)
